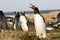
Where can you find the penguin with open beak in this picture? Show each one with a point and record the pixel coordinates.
(39, 22)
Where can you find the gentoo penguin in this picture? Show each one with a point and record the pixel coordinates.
(23, 22)
(16, 20)
(39, 22)
(3, 22)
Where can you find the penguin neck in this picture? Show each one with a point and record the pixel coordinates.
(38, 14)
(23, 15)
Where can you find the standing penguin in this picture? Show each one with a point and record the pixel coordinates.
(23, 22)
(3, 21)
(39, 23)
(16, 20)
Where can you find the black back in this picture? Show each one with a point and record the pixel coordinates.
(36, 11)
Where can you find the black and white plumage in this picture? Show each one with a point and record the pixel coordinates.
(16, 20)
(3, 21)
(40, 26)
(23, 22)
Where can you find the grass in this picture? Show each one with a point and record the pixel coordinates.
(19, 35)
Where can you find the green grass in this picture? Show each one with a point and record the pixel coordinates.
(19, 35)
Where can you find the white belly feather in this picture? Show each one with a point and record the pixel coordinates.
(39, 26)
(23, 23)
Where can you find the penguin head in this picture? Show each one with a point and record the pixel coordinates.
(31, 6)
(1, 13)
(15, 12)
(23, 13)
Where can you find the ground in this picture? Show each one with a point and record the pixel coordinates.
(19, 35)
